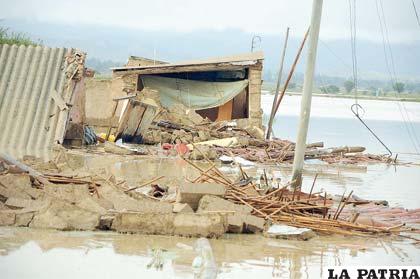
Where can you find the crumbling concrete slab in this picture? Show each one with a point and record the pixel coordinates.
(200, 225)
(64, 216)
(76, 194)
(253, 224)
(92, 205)
(191, 193)
(144, 223)
(15, 186)
(7, 218)
(67, 192)
(182, 208)
(23, 219)
(105, 222)
(239, 216)
(289, 232)
(184, 224)
(213, 203)
(123, 202)
(16, 203)
(235, 223)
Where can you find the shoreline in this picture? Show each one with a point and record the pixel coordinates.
(414, 100)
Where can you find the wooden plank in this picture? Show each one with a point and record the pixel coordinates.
(124, 118)
(146, 120)
(134, 119)
(240, 106)
(181, 69)
(225, 111)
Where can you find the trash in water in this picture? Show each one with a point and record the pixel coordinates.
(204, 264)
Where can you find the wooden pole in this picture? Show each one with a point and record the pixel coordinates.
(270, 122)
(114, 110)
(292, 70)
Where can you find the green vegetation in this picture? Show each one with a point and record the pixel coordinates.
(348, 85)
(367, 89)
(13, 38)
(399, 87)
(329, 89)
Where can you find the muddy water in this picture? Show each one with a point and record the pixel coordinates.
(48, 254)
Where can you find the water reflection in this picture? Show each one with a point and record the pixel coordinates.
(51, 254)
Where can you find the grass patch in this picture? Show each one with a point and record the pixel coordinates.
(14, 38)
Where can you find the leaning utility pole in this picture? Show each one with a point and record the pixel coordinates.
(305, 107)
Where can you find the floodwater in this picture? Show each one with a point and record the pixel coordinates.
(47, 254)
(28, 253)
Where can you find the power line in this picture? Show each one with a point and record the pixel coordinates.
(390, 65)
(415, 12)
(353, 35)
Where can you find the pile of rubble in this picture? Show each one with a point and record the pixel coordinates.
(146, 121)
(237, 138)
(209, 206)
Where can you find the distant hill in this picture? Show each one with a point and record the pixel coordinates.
(112, 45)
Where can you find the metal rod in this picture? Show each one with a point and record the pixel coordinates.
(305, 110)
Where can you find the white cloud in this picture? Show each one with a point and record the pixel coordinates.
(264, 16)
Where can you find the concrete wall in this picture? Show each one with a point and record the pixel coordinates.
(99, 104)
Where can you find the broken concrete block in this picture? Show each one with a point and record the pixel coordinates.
(235, 223)
(255, 132)
(17, 203)
(7, 218)
(182, 208)
(289, 232)
(253, 224)
(204, 135)
(191, 193)
(213, 203)
(14, 180)
(196, 155)
(144, 223)
(90, 204)
(123, 202)
(105, 222)
(65, 216)
(200, 225)
(68, 192)
(23, 219)
(14, 185)
(184, 224)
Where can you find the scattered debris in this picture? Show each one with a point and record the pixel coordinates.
(289, 232)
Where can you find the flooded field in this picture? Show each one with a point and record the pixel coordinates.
(26, 253)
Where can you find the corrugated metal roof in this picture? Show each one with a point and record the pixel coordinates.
(34, 91)
(239, 59)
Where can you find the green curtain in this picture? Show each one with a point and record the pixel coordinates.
(192, 93)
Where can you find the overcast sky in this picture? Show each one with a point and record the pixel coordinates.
(257, 16)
